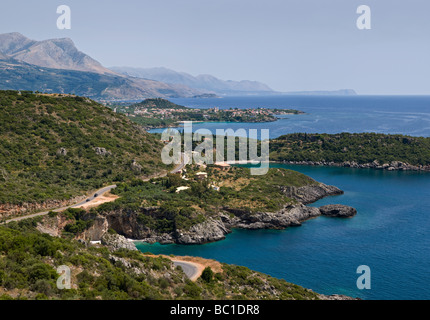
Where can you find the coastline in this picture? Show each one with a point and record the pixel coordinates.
(216, 228)
(392, 166)
(178, 124)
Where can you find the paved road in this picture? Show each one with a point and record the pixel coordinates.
(95, 195)
(190, 269)
(99, 192)
(185, 159)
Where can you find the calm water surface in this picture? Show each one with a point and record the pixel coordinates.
(390, 233)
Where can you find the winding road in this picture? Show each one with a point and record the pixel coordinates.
(98, 193)
(190, 269)
(88, 200)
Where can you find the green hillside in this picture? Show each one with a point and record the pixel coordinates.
(157, 103)
(56, 147)
(359, 147)
(29, 259)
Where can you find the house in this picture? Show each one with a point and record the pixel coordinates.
(179, 189)
(222, 165)
(201, 175)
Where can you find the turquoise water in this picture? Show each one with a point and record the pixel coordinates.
(389, 233)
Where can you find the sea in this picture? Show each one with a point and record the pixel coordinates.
(390, 233)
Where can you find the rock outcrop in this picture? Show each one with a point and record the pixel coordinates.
(102, 152)
(311, 193)
(62, 152)
(289, 216)
(135, 166)
(209, 231)
(338, 210)
(116, 241)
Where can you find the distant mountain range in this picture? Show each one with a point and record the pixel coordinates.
(57, 66)
(203, 82)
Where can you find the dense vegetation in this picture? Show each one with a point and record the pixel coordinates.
(156, 103)
(29, 260)
(359, 147)
(57, 147)
(238, 190)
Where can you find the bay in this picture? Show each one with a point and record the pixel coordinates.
(390, 231)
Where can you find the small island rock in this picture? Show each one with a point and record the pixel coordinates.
(338, 210)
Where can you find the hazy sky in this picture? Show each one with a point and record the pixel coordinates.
(291, 45)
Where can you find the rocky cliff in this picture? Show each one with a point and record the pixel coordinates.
(214, 228)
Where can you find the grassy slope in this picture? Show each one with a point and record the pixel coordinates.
(34, 127)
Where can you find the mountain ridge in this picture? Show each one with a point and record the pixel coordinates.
(201, 82)
(57, 66)
(58, 53)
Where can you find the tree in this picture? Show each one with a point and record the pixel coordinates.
(207, 275)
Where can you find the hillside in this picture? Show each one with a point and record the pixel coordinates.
(57, 147)
(195, 208)
(28, 262)
(157, 103)
(364, 149)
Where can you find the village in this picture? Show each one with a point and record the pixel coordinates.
(163, 113)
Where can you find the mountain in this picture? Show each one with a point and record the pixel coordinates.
(17, 75)
(201, 82)
(56, 65)
(53, 53)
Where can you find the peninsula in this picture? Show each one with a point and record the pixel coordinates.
(160, 113)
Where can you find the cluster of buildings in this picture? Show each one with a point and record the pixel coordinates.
(201, 175)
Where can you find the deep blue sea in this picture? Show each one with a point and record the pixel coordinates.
(390, 232)
(408, 115)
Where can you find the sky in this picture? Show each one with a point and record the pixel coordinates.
(291, 45)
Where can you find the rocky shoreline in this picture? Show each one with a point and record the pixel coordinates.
(126, 222)
(392, 166)
(214, 230)
(217, 227)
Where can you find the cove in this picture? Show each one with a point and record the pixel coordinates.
(389, 234)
